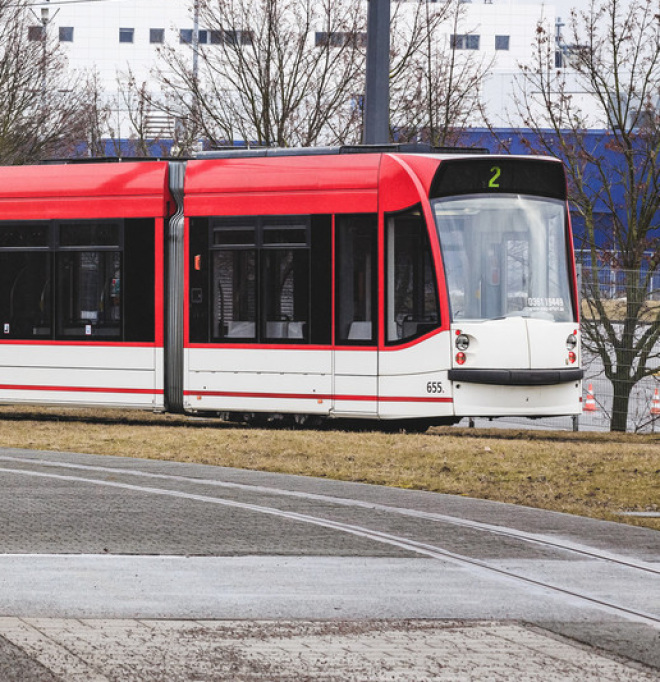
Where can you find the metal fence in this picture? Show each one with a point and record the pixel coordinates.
(613, 288)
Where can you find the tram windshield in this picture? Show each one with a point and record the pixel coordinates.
(504, 256)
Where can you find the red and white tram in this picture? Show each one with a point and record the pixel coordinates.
(331, 283)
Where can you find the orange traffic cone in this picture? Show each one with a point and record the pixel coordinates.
(655, 403)
(590, 402)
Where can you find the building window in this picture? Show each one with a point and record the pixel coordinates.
(464, 41)
(156, 35)
(501, 42)
(186, 36)
(66, 34)
(228, 37)
(35, 32)
(339, 39)
(357, 103)
(126, 35)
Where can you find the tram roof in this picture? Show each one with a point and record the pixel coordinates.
(129, 189)
(401, 148)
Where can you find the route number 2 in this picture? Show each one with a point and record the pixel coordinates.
(494, 178)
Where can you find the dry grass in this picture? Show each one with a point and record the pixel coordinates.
(616, 309)
(597, 475)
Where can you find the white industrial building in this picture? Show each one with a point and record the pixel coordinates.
(112, 35)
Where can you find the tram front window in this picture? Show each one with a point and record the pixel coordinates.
(505, 255)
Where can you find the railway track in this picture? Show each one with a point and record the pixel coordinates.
(206, 491)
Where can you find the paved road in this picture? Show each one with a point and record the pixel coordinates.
(118, 569)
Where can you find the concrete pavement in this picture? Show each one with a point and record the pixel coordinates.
(392, 651)
(114, 569)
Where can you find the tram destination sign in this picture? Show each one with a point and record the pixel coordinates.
(512, 175)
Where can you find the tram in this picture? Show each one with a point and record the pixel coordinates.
(348, 283)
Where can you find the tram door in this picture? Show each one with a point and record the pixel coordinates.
(356, 319)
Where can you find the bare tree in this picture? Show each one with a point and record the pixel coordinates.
(96, 117)
(614, 57)
(435, 85)
(142, 128)
(270, 72)
(43, 108)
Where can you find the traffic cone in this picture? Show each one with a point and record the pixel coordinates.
(590, 402)
(655, 403)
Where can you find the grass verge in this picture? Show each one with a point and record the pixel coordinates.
(590, 474)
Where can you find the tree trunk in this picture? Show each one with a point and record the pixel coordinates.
(622, 388)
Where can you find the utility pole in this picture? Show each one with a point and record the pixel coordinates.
(195, 39)
(45, 20)
(377, 95)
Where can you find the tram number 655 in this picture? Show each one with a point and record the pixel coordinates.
(434, 387)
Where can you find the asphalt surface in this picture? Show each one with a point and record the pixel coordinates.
(123, 569)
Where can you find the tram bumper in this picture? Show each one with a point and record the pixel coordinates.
(521, 392)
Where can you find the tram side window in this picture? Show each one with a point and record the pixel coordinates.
(87, 280)
(357, 283)
(198, 274)
(411, 290)
(235, 296)
(139, 280)
(321, 280)
(234, 280)
(25, 286)
(285, 280)
(260, 279)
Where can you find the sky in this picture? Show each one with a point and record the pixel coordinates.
(563, 7)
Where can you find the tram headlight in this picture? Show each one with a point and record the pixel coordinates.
(462, 342)
(571, 342)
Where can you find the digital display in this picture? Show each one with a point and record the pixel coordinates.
(507, 175)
